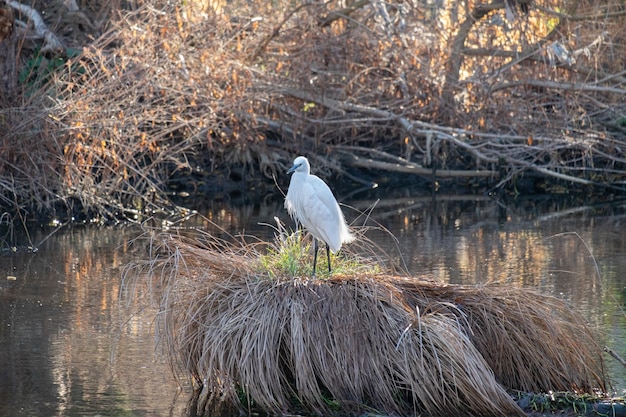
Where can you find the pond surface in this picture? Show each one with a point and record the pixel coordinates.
(73, 344)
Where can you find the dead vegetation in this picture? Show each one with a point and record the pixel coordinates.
(352, 344)
(176, 96)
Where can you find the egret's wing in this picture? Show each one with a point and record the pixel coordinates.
(323, 192)
(314, 202)
(324, 212)
(339, 229)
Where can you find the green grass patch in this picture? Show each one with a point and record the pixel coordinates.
(291, 255)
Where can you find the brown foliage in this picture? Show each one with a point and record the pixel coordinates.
(7, 21)
(213, 90)
(352, 344)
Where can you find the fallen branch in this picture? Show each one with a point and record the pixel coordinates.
(520, 153)
(560, 176)
(51, 41)
(409, 126)
(410, 168)
(559, 85)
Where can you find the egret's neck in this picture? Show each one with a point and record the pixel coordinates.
(298, 176)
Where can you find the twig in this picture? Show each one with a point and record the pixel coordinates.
(593, 258)
(275, 31)
(615, 355)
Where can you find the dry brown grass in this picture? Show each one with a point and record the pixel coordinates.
(353, 344)
(531, 341)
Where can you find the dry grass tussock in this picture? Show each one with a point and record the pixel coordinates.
(253, 340)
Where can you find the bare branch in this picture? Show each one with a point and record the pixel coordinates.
(410, 168)
(51, 41)
(558, 85)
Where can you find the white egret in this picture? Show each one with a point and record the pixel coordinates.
(310, 202)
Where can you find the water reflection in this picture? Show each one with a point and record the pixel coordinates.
(64, 349)
(68, 348)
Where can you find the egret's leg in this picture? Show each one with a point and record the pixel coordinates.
(314, 254)
(328, 257)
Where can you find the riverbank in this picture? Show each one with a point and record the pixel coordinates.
(151, 99)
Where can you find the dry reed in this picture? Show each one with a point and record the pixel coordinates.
(354, 344)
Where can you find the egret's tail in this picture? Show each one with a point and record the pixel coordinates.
(346, 234)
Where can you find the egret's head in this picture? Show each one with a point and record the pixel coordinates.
(300, 164)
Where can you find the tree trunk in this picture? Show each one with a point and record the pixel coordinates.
(8, 42)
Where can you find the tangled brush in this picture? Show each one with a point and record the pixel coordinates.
(355, 343)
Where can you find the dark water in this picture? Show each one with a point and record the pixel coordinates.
(68, 347)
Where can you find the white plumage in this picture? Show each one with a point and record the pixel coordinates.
(310, 202)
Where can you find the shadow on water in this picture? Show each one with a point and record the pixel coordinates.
(69, 347)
